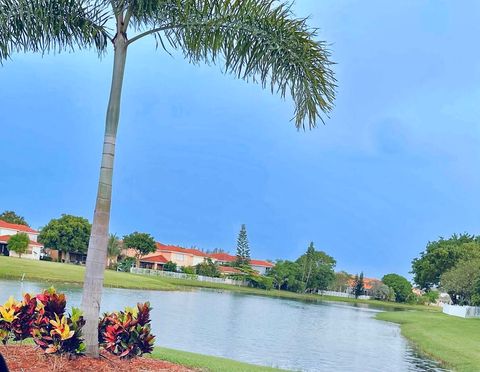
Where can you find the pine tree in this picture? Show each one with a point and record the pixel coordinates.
(243, 249)
(358, 285)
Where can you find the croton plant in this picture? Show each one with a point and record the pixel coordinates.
(42, 317)
(127, 333)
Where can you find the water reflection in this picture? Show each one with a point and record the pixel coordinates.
(272, 332)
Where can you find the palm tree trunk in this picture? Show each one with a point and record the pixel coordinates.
(97, 247)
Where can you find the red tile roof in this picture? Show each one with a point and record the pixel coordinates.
(157, 258)
(14, 226)
(6, 238)
(367, 282)
(171, 248)
(225, 257)
(261, 263)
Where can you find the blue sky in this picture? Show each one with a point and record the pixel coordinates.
(200, 153)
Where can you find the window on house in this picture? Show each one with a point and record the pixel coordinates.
(179, 257)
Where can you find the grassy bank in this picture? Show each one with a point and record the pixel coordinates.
(204, 362)
(53, 272)
(453, 341)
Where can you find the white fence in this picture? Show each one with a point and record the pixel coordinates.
(342, 294)
(462, 311)
(199, 278)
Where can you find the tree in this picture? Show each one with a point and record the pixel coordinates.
(460, 282)
(19, 243)
(258, 40)
(142, 243)
(358, 286)
(285, 275)
(317, 269)
(442, 255)
(243, 248)
(383, 292)
(113, 248)
(400, 285)
(12, 217)
(67, 234)
(341, 282)
(170, 266)
(208, 268)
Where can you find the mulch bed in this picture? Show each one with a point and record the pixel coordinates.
(32, 359)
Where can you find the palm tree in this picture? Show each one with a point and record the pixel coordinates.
(113, 247)
(256, 40)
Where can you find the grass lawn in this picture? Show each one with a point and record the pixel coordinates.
(204, 362)
(53, 272)
(452, 340)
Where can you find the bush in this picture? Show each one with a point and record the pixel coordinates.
(208, 268)
(262, 282)
(127, 333)
(42, 317)
(170, 266)
(383, 292)
(125, 264)
(61, 335)
(189, 270)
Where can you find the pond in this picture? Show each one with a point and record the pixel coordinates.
(260, 330)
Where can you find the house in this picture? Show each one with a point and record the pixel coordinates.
(183, 257)
(154, 261)
(7, 229)
(368, 284)
(262, 267)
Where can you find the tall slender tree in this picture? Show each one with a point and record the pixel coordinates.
(256, 40)
(243, 247)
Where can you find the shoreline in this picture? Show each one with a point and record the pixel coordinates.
(53, 272)
(451, 341)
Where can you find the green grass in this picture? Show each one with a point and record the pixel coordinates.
(204, 362)
(452, 340)
(53, 272)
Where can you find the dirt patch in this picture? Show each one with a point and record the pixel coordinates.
(32, 359)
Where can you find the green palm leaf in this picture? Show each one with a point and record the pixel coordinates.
(43, 25)
(258, 40)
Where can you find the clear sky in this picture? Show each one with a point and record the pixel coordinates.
(199, 153)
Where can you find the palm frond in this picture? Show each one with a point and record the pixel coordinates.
(44, 25)
(259, 40)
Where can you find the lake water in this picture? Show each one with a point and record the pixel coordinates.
(260, 330)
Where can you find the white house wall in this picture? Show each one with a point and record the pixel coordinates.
(4, 231)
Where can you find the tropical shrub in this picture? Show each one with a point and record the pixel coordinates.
(42, 317)
(258, 281)
(125, 264)
(127, 334)
(383, 292)
(170, 266)
(62, 335)
(191, 270)
(7, 316)
(208, 268)
(25, 318)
